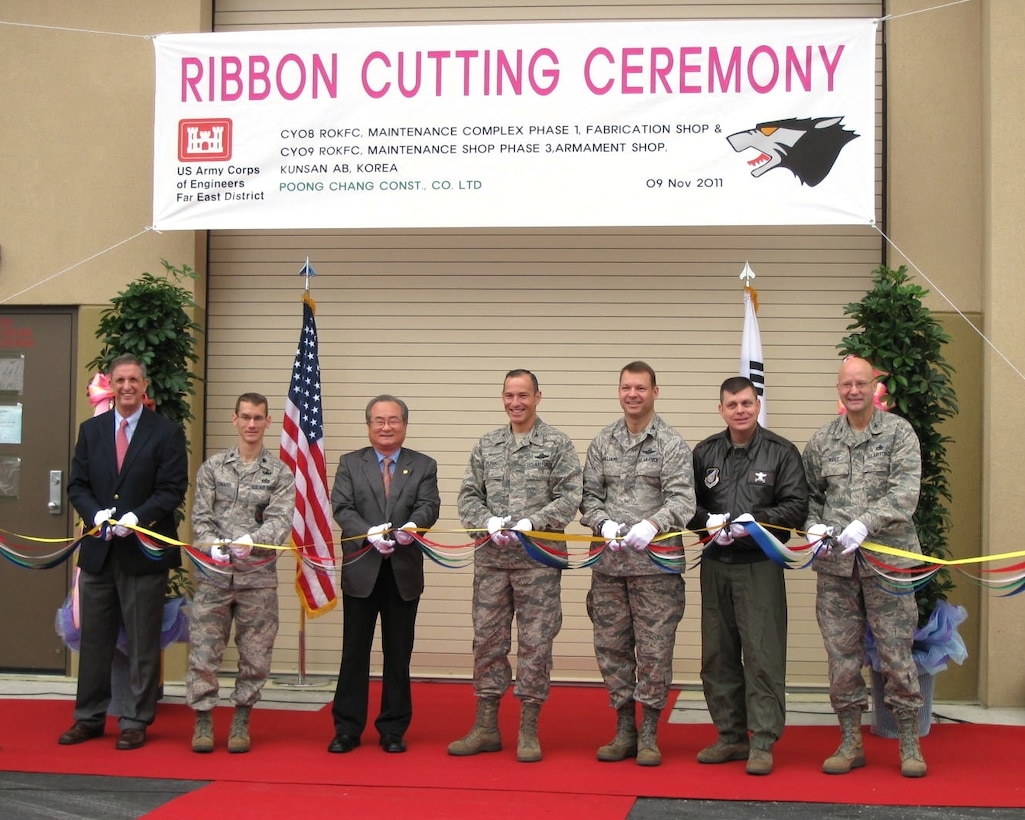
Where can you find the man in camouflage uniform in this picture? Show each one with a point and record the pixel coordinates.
(863, 471)
(638, 482)
(522, 477)
(244, 497)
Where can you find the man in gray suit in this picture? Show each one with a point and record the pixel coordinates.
(374, 487)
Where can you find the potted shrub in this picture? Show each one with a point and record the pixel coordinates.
(150, 320)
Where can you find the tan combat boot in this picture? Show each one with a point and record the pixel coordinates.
(238, 737)
(624, 744)
(722, 751)
(203, 736)
(528, 747)
(912, 764)
(851, 753)
(483, 735)
(648, 753)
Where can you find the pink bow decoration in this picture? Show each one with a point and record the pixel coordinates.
(101, 396)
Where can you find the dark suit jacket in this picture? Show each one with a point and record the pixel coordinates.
(358, 502)
(152, 484)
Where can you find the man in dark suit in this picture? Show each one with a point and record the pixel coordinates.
(130, 470)
(374, 487)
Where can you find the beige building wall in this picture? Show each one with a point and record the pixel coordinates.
(1002, 679)
(77, 161)
(76, 165)
(956, 107)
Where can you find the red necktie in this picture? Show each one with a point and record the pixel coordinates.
(121, 443)
(386, 475)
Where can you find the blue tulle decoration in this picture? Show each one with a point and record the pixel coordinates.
(173, 628)
(936, 644)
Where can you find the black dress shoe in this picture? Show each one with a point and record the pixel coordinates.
(130, 739)
(341, 744)
(393, 744)
(80, 733)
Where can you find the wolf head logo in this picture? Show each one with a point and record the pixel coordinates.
(808, 147)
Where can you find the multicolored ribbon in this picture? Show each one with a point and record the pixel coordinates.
(1006, 581)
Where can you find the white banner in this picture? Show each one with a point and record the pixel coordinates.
(754, 122)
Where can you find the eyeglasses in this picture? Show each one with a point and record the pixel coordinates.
(858, 385)
(392, 421)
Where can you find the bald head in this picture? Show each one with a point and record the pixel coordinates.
(855, 384)
(855, 367)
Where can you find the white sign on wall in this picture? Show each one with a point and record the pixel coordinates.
(756, 122)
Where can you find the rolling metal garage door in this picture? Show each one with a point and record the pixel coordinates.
(573, 305)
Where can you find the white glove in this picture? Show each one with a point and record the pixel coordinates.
(219, 554)
(850, 539)
(523, 525)
(375, 535)
(405, 535)
(127, 520)
(818, 532)
(241, 546)
(717, 526)
(101, 520)
(640, 535)
(610, 532)
(737, 528)
(496, 525)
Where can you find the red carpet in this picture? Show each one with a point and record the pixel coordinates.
(969, 765)
(280, 800)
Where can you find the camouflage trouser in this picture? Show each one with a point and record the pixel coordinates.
(843, 607)
(535, 597)
(255, 612)
(635, 619)
(744, 649)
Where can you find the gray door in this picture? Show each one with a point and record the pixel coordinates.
(36, 421)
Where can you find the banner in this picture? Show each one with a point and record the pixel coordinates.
(749, 122)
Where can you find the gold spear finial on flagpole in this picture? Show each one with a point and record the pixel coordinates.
(746, 276)
(308, 271)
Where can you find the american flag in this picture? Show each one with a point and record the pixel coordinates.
(302, 449)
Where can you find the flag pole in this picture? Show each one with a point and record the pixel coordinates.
(301, 679)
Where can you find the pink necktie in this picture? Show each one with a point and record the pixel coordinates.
(386, 475)
(121, 443)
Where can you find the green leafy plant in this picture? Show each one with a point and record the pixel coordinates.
(900, 336)
(150, 319)
(179, 583)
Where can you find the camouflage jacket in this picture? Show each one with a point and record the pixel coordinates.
(233, 499)
(538, 479)
(628, 478)
(872, 476)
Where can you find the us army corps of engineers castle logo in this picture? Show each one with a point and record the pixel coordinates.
(207, 140)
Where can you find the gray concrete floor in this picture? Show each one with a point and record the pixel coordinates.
(652, 809)
(29, 796)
